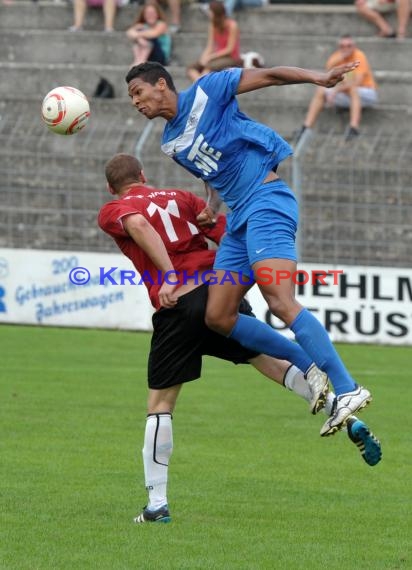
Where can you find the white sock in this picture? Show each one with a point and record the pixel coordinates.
(329, 403)
(295, 381)
(158, 447)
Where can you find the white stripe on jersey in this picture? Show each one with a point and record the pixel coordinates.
(186, 138)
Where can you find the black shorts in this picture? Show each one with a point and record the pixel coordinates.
(180, 339)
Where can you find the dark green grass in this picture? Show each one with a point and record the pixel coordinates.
(252, 485)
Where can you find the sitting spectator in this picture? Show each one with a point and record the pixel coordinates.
(150, 37)
(174, 7)
(372, 11)
(223, 44)
(80, 7)
(357, 90)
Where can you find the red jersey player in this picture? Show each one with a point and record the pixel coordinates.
(174, 215)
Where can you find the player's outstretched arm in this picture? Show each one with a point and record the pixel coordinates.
(253, 79)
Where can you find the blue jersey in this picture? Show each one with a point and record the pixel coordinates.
(211, 138)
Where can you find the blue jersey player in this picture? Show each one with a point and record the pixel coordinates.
(237, 158)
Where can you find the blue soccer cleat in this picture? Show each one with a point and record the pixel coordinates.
(363, 438)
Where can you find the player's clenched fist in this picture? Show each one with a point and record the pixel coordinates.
(206, 217)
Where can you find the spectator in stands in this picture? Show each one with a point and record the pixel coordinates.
(357, 90)
(223, 44)
(150, 36)
(373, 10)
(80, 8)
(232, 5)
(174, 7)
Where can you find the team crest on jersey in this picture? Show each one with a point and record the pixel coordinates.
(192, 120)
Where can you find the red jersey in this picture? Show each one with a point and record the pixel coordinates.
(172, 213)
(221, 39)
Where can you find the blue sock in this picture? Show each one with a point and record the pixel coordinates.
(314, 340)
(262, 338)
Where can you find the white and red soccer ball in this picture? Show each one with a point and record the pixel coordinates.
(65, 110)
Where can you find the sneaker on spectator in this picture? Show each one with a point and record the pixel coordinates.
(302, 132)
(351, 133)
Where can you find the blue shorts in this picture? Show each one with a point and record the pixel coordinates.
(268, 233)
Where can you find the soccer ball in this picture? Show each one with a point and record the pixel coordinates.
(65, 110)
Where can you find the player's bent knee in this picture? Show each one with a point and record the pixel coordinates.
(218, 322)
(282, 308)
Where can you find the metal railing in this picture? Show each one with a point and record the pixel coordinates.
(355, 198)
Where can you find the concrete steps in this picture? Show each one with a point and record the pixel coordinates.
(23, 131)
(301, 51)
(287, 19)
(38, 78)
(62, 194)
(114, 49)
(116, 124)
(37, 60)
(356, 200)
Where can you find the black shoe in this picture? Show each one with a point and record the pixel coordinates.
(299, 133)
(351, 134)
(161, 515)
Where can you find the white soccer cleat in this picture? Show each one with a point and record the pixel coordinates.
(343, 407)
(319, 388)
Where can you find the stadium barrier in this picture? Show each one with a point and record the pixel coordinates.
(39, 288)
(101, 290)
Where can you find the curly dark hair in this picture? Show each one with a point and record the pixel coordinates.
(151, 72)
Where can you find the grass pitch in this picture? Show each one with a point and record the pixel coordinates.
(252, 485)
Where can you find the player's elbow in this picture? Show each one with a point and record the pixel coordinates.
(135, 224)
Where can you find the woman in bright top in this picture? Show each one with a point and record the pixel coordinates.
(223, 45)
(150, 36)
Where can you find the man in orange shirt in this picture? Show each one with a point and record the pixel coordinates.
(356, 91)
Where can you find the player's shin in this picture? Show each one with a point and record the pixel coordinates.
(259, 336)
(158, 446)
(314, 340)
(295, 381)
